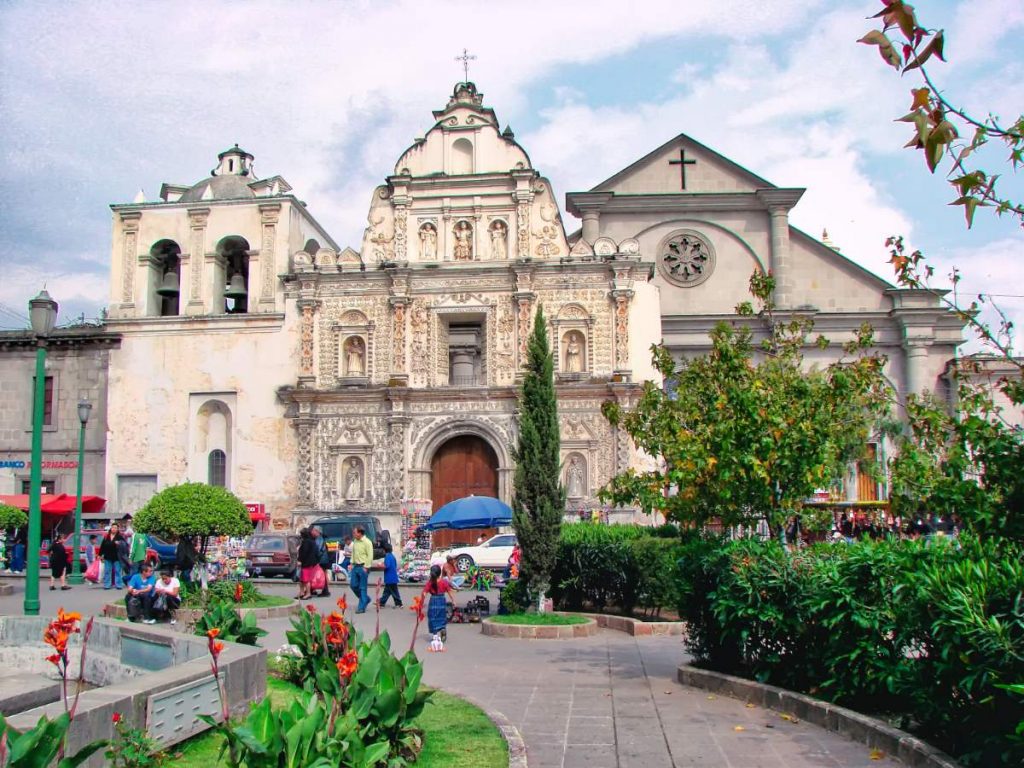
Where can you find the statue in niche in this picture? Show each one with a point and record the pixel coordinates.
(574, 479)
(463, 241)
(353, 480)
(428, 242)
(354, 357)
(499, 241)
(573, 353)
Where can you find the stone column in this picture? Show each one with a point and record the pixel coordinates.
(218, 272)
(524, 309)
(396, 458)
(399, 369)
(622, 297)
(269, 213)
(781, 268)
(917, 360)
(197, 218)
(591, 226)
(305, 474)
(129, 256)
(307, 375)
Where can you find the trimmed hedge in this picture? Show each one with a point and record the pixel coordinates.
(624, 566)
(927, 634)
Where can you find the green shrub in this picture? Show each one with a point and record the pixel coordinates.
(515, 598)
(651, 585)
(222, 591)
(232, 625)
(593, 564)
(194, 509)
(12, 517)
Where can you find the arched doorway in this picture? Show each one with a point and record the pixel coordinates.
(463, 466)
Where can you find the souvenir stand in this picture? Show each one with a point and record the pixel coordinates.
(415, 561)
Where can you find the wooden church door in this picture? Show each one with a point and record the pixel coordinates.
(464, 466)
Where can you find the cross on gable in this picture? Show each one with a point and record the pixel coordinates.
(682, 162)
(465, 58)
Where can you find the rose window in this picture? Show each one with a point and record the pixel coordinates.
(687, 259)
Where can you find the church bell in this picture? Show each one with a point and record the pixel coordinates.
(169, 284)
(236, 288)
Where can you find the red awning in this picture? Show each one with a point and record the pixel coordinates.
(56, 504)
(258, 517)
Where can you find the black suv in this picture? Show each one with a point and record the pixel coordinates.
(337, 528)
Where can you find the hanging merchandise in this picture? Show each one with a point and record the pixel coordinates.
(415, 561)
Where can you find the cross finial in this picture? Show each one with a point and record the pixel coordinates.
(465, 58)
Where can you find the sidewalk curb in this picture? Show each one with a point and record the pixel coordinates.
(516, 745)
(853, 725)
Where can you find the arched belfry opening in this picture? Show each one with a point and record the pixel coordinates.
(234, 260)
(165, 261)
(464, 465)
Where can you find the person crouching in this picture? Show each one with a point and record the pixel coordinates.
(167, 596)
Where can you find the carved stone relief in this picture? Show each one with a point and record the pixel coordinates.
(499, 240)
(129, 249)
(306, 340)
(462, 245)
(420, 328)
(197, 219)
(401, 219)
(428, 242)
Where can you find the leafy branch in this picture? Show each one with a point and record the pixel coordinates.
(935, 118)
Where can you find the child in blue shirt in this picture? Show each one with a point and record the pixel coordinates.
(390, 578)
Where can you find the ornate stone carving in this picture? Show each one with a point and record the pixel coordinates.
(353, 479)
(622, 328)
(523, 228)
(326, 257)
(525, 305)
(505, 343)
(268, 218)
(355, 351)
(129, 250)
(401, 219)
(575, 477)
(306, 340)
(398, 334)
(305, 461)
(604, 246)
(630, 246)
(686, 258)
(396, 441)
(420, 328)
(575, 345)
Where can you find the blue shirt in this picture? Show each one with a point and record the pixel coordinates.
(390, 569)
(137, 582)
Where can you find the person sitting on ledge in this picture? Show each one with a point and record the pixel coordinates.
(141, 591)
(167, 596)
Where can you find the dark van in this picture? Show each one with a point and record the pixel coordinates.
(336, 529)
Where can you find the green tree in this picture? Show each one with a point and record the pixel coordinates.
(538, 500)
(194, 509)
(745, 433)
(12, 517)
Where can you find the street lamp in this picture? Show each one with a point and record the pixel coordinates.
(43, 313)
(84, 406)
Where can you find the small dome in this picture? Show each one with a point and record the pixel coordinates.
(220, 188)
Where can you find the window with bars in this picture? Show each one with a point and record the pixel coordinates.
(47, 401)
(47, 487)
(218, 468)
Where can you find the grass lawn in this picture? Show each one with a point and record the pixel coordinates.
(540, 619)
(455, 735)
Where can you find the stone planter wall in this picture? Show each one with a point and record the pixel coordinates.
(538, 632)
(192, 615)
(637, 627)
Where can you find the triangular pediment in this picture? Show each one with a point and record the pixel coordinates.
(661, 172)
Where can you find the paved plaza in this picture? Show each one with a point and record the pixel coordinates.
(609, 701)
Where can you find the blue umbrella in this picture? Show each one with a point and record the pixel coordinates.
(471, 512)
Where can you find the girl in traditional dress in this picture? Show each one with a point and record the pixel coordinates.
(440, 591)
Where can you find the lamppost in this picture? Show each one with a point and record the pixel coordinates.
(43, 313)
(84, 406)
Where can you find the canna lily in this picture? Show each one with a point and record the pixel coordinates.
(417, 607)
(238, 592)
(342, 604)
(348, 664)
(116, 718)
(212, 633)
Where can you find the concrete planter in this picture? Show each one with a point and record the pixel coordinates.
(192, 615)
(855, 726)
(538, 631)
(637, 627)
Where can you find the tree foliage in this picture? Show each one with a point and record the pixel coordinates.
(745, 433)
(194, 509)
(940, 127)
(12, 517)
(538, 500)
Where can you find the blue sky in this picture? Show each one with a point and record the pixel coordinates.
(102, 99)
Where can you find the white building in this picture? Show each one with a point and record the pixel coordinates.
(257, 354)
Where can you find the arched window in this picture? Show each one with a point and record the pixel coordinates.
(217, 468)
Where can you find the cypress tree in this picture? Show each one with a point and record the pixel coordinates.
(538, 501)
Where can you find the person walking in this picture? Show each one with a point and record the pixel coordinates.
(58, 563)
(390, 578)
(111, 558)
(440, 591)
(323, 558)
(362, 559)
(308, 561)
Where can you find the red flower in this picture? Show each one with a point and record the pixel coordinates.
(342, 604)
(311, 609)
(417, 607)
(116, 718)
(54, 659)
(216, 647)
(238, 592)
(212, 633)
(348, 664)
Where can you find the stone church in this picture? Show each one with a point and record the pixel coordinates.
(258, 354)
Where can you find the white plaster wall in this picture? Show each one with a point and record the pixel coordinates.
(492, 153)
(828, 281)
(644, 330)
(709, 174)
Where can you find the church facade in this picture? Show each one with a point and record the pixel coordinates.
(257, 354)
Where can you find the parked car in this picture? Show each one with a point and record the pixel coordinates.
(337, 528)
(493, 553)
(272, 554)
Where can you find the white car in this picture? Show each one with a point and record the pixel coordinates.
(493, 553)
